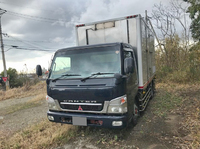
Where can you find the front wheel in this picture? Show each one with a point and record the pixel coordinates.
(136, 114)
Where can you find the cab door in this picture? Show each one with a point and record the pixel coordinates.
(131, 81)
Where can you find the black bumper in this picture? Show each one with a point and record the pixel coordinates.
(106, 120)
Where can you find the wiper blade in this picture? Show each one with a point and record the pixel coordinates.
(96, 74)
(64, 76)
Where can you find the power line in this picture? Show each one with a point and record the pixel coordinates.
(31, 18)
(30, 44)
(34, 49)
(36, 18)
(22, 47)
(43, 41)
(5, 3)
(39, 41)
(25, 48)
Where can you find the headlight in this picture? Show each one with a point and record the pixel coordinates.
(118, 105)
(51, 103)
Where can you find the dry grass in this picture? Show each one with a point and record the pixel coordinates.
(37, 90)
(40, 96)
(43, 135)
(190, 111)
(191, 124)
(47, 135)
(24, 91)
(18, 107)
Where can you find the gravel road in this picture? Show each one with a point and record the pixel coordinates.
(14, 121)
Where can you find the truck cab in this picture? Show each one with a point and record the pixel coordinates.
(93, 85)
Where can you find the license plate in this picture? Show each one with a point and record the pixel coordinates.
(79, 121)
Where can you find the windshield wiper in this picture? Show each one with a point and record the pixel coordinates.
(95, 74)
(64, 76)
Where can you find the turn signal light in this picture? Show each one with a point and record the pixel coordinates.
(123, 100)
(47, 97)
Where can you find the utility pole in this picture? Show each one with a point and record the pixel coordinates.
(2, 50)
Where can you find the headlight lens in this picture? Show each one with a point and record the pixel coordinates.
(118, 105)
(51, 103)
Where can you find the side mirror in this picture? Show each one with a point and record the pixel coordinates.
(1, 80)
(118, 78)
(38, 70)
(128, 65)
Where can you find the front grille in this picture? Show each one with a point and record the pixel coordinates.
(82, 107)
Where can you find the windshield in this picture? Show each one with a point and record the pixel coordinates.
(85, 62)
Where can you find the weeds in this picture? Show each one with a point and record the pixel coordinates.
(191, 123)
(42, 135)
(24, 91)
(177, 63)
(182, 99)
(168, 98)
(15, 108)
(165, 102)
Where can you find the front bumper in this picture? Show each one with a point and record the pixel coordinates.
(91, 119)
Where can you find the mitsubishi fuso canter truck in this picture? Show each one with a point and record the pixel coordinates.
(107, 79)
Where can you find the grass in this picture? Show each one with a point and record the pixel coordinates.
(168, 99)
(18, 107)
(45, 134)
(24, 91)
(165, 103)
(34, 102)
(192, 122)
(182, 99)
(42, 135)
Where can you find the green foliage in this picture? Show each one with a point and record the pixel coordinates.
(165, 102)
(194, 10)
(15, 79)
(177, 63)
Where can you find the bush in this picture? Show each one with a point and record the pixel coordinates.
(178, 63)
(15, 79)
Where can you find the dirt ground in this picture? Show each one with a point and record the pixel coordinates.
(12, 121)
(151, 132)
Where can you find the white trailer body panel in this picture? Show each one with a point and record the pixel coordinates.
(127, 30)
(139, 52)
(118, 33)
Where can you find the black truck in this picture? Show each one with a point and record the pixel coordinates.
(103, 81)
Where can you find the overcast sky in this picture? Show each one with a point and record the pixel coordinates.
(49, 25)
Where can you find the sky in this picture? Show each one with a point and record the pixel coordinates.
(40, 27)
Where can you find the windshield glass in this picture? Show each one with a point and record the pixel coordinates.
(85, 62)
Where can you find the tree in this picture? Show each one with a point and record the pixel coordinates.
(177, 60)
(194, 10)
(13, 78)
(166, 20)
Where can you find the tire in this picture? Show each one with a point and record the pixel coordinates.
(152, 89)
(136, 115)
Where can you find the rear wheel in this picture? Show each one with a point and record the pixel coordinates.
(152, 89)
